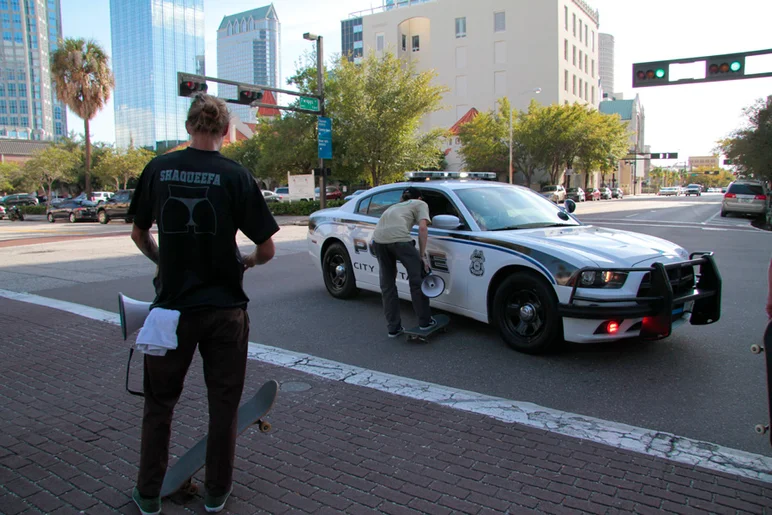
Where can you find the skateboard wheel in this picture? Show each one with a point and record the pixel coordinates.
(761, 429)
(757, 349)
(264, 426)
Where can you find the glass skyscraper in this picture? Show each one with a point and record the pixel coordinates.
(28, 105)
(153, 40)
(248, 51)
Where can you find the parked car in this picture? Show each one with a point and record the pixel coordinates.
(356, 193)
(605, 193)
(270, 196)
(73, 210)
(592, 194)
(2, 212)
(746, 198)
(116, 206)
(576, 194)
(557, 193)
(669, 191)
(333, 193)
(693, 189)
(617, 193)
(504, 263)
(19, 199)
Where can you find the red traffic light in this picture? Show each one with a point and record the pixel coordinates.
(190, 88)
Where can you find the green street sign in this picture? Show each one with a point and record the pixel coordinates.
(309, 103)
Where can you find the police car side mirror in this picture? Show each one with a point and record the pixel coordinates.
(447, 222)
(569, 205)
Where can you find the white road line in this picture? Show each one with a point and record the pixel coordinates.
(632, 216)
(712, 217)
(622, 436)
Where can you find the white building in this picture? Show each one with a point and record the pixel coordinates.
(488, 49)
(248, 50)
(606, 66)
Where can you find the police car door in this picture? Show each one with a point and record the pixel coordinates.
(363, 259)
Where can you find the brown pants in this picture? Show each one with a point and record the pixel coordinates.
(222, 337)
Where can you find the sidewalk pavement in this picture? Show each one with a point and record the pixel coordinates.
(69, 442)
(281, 219)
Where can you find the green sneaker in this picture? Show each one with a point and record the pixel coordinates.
(146, 505)
(216, 504)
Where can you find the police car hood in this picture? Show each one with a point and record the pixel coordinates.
(587, 245)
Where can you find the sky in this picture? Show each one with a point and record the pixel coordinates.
(687, 119)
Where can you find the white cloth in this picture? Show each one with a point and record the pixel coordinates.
(159, 333)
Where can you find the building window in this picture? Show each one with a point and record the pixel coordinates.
(12, 107)
(7, 36)
(580, 88)
(499, 22)
(565, 12)
(580, 31)
(3, 107)
(593, 68)
(357, 44)
(11, 90)
(379, 42)
(593, 41)
(416, 43)
(244, 26)
(585, 64)
(586, 93)
(565, 79)
(593, 94)
(230, 29)
(404, 42)
(357, 29)
(565, 49)
(574, 84)
(251, 24)
(15, 5)
(586, 39)
(3, 4)
(461, 27)
(3, 120)
(580, 59)
(23, 107)
(18, 38)
(574, 24)
(574, 55)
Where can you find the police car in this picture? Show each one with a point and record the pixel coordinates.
(511, 258)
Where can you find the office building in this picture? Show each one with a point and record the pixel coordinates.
(152, 40)
(248, 50)
(606, 64)
(486, 50)
(29, 108)
(631, 172)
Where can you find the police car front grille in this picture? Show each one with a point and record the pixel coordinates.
(682, 281)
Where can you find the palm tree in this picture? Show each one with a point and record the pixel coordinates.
(83, 81)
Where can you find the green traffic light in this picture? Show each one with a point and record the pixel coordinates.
(735, 66)
(660, 73)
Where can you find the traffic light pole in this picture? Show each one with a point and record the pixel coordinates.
(320, 88)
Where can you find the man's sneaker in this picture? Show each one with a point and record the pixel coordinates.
(397, 332)
(146, 505)
(216, 504)
(431, 324)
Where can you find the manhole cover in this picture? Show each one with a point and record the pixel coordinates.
(295, 386)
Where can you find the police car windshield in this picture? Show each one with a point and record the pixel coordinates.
(510, 208)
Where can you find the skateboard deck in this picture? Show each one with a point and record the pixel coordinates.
(415, 333)
(767, 350)
(250, 412)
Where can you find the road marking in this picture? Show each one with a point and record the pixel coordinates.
(645, 441)
(633, 215)
(712, 217)
(676, 225)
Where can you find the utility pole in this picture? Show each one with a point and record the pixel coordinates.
(320, 87)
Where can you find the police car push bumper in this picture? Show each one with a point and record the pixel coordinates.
(667, 296)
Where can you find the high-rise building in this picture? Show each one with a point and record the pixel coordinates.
(606, 63)
(248, 51)
(486, 50)
(153, 40)
(29, 108)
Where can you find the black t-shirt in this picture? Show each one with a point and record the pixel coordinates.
(199, 200)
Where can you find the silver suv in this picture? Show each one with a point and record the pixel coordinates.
(555, 193)
(745, 197)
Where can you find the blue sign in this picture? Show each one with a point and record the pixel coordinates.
(324, 130)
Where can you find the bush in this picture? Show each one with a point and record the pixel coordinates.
(40, 209)
(303, 208)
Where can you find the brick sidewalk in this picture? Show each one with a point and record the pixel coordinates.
(69, 440)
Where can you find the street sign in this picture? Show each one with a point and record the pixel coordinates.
(309, 103)
(318, 172)
(324, 130)
(665, 155)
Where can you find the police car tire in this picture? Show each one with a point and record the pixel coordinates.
(550, 333)
(349, 288)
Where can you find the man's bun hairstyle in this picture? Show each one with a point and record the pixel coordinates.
(411, 193)
(208, 115)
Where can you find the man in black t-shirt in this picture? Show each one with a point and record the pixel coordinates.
(199, 200)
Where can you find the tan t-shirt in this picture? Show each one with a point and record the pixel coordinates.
(397, 221)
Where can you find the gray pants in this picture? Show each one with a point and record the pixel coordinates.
(405, 252)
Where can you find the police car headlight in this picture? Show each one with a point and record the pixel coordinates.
(604, 279)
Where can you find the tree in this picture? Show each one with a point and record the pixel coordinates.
(377, 108)
(50, 165)
(246, 153)
(277, 156)
(83, 81)
(8, 173)
(749, 147)
(484, 145)
(118, 167)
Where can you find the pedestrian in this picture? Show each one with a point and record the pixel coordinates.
(199, 200)
(392, 242)
(769, 291)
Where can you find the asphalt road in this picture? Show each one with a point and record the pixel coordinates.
(703, 382)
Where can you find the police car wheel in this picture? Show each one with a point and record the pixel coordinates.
(526, 312)
(338, 272)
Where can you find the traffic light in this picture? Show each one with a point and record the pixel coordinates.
(650, 74)
(724, 67)
(247, 95)
(190, 85)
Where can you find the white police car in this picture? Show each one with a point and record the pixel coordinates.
(512, 258)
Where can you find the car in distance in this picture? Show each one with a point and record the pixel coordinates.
(556, 193)
(19, 199)
(576, 194)
(745, 198)
(669, 191)
(605, 193)
(513, 259)
(74, 210)
(592, 194)
(116, 206)
(270, 196)
(693, 189)
(617, 193)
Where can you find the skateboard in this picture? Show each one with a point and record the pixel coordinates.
(415, 333)
(766, 348)
(251, 412)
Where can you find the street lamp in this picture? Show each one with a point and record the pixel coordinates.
(308, 36)
(535, 91)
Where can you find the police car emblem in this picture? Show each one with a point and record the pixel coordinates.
(476, 266)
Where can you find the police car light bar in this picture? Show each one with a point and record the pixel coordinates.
(427, 176)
